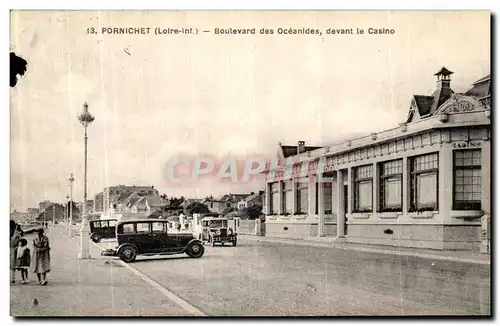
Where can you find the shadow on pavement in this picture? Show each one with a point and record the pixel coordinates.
(152, 259)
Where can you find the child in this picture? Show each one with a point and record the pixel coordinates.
(23, 260)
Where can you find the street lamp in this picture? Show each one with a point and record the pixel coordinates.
(66, 213)
(85, 119)
(71, 180)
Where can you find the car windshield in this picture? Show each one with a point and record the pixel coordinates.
(217, 223)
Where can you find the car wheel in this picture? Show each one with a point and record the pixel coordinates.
(128, 254)
(195, 250)
(96, 238)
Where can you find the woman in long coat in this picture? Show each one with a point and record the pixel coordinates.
(41, 257)
(14, 240)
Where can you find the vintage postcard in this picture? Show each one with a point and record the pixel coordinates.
(250, 163)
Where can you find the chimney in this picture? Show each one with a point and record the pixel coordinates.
(443, 78)
(443, 90)
(301, 147)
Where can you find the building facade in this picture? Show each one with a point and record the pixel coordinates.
(424, 184)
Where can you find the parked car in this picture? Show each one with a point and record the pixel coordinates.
(215, 230)
(151, 237)
(102, 229)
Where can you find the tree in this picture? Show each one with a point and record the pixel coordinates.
(253, 212)
(196, 208)
(228, 210)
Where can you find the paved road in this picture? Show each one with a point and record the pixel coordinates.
(266, 279)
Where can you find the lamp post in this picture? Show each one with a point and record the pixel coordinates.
(85, 119)
(71, 180)
(66, 213)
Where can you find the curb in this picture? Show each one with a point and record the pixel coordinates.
(380, 251)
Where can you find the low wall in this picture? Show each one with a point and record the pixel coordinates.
(251, 227)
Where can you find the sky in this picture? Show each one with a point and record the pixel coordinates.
(158, 97)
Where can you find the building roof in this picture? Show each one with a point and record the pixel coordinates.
(233, 197)
(123, 196)
(481, 87)
(423, 104)
(443, 71)
(155, 200)
(482, 80)
(132, 199)
(213, 200)
(292, 150)
(252, 197)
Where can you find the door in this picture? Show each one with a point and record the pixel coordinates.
(111, 228)
(162, 240)
(144, 238)
(346, 202)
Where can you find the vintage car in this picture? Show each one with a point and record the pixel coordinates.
(215, 230)
(151, 237)
(102, 229)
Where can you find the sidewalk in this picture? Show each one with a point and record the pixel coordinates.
(95, 287)
(330, 242)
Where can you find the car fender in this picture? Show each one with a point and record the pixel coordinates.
(193, 241)
(126, 244)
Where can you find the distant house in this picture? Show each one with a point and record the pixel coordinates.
(231, 200)
(224, 203)
(111, 197)
(146, 205)
(255, 199)
(215, 205)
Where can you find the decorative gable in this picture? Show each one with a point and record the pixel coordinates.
(459, 103)
(413, 114)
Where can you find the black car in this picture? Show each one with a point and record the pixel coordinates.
(102, 229)
(151, 237)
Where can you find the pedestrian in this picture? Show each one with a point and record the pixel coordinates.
(41, 257)
(18, 228)
(23, 260)
(14, 239)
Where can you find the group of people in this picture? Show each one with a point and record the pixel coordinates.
(21, 258)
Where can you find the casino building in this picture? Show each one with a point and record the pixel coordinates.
(424, 184)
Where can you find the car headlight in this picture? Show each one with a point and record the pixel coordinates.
(217, 232)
